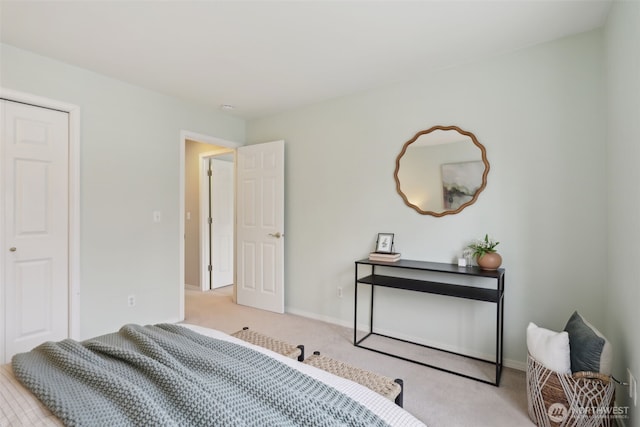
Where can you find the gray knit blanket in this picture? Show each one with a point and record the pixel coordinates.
(168, 375)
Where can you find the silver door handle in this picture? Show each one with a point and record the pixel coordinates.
(277, 235)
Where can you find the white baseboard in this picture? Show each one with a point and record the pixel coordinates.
(509, 363)
(515, 364)
(314, 316)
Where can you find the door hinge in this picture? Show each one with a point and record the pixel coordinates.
(210, 220)
(209, 268)
(209, 172)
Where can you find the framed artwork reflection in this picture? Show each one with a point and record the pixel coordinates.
(460, 181)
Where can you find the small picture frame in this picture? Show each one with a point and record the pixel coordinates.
(384, 244)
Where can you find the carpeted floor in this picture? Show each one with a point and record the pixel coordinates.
(437, 398)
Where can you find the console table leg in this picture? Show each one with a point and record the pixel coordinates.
(355, 310)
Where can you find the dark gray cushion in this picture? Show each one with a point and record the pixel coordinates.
(589, 349)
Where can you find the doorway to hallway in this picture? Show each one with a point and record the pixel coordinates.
(209, 215)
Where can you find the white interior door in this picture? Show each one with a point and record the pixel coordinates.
(35, 233)
(222, 220)
(260, 230)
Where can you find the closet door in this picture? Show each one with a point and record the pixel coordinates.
(35, 209)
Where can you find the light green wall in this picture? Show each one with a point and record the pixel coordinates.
(623, 143)
(540, 114)
(130, 151)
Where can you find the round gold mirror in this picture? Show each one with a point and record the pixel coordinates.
(441, 171)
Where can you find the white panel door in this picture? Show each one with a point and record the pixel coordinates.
(35, 209)
(260, 231)
(222, 208)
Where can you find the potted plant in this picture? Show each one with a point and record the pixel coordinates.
(484, 251)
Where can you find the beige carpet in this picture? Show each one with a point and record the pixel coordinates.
(437, 398)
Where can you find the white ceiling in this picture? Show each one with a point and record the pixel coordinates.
(266, 56)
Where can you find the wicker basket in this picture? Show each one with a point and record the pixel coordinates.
(584, 399)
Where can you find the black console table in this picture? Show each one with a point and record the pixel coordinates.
(491, 295)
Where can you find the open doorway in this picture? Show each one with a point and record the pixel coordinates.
(209, 215)
(258, 167)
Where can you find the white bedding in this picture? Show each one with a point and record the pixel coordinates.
(18, 407)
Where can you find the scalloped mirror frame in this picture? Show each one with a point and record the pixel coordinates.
(461, 207)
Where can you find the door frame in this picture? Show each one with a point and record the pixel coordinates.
(74, 204)
(206, 139)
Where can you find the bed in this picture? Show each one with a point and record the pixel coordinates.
(205, 377)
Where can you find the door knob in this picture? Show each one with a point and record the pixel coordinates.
(12, 249)
(277, 235)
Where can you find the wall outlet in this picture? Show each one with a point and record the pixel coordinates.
(633, 392)
(131, 300)
(339, 291)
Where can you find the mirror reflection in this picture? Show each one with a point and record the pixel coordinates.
(442, 170)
